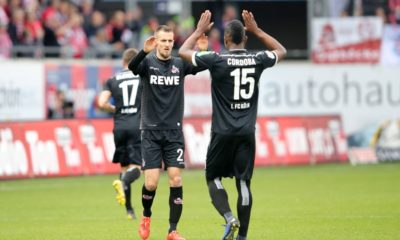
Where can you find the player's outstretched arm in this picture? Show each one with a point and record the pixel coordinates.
(271, 43)
(103, 103)
(186, 51)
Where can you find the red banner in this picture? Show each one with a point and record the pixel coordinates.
(79, 147)
(56, 148)
(280, 140)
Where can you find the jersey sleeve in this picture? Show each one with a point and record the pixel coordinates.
(190, 69)
(267, 58)
(138, 63)
(204, 59)
(107, 85)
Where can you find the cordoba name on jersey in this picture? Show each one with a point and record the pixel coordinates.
(164, 80)
(241, 62)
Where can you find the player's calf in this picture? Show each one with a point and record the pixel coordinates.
(130, 175)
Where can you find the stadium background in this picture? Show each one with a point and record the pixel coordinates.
(335, 99)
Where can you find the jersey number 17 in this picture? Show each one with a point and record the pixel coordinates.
(129, 100)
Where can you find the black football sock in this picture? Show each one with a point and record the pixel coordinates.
(244, 203)
(127, 178)
(147, 201)
(127, 191)
(175, 207)
(219, 198)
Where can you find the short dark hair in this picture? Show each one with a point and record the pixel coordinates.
(164, 28)
(235, 30)
(128, 55)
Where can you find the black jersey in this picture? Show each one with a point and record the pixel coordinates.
(235, 76)
(163, 90)
(126, 90)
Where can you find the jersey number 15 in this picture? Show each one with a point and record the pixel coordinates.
(241, 79)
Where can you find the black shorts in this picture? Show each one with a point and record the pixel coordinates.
(230, 156)
(127, 147)
(160, 146)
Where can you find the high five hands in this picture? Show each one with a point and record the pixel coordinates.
(204, 24)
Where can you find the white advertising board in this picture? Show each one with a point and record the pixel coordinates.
(22, 87)
(361, 94)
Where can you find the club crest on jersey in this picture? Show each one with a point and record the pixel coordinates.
(174, 69)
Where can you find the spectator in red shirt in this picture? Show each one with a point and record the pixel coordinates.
(72, 37)
(33, 28)
(51, 10)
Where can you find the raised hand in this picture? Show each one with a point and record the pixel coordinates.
(250, 23)
(149, 44)
(204, 24)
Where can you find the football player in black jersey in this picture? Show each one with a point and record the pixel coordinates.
(235, 76)
(125, 88)
(162, 77)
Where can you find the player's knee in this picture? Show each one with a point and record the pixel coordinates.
(151, 186)
(175, 181)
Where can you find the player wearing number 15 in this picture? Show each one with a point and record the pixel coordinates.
(125, 88)
(235, 76)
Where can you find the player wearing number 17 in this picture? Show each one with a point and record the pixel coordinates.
(125, 88)
(235, 76)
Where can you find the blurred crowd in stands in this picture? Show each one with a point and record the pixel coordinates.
(388, 10)
(75, 29)
(68, 27)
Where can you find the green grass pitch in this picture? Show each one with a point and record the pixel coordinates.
(333, 201)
